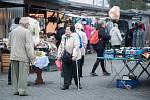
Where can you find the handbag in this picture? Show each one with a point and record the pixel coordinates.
(66, 57)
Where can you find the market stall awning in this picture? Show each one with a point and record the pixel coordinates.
(86, 7)
(134, 12)
(6, 3)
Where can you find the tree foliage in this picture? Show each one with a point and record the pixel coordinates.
(129, 4)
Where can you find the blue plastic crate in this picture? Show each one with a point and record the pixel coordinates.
(127, 83)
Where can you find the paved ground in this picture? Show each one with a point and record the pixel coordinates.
(94, 88)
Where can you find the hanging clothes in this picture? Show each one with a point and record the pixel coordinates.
(140, 38)
(134, 38)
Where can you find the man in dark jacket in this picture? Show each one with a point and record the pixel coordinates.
(99, 48)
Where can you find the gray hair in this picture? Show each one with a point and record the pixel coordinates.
(24, 21)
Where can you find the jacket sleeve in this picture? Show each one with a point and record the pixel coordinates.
(61, 48)
(76, 43)
(29, 45)
(104, 35)
(119, 35)
(9, 41)
(85, 40)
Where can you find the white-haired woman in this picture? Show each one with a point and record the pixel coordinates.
(83, 43)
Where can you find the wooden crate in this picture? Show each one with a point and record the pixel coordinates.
(5, 62)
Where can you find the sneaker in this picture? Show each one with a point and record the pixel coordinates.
(16, 93)
(25, 94)
(9, 83)
(93, 74)
(106, 73)
(80, 76)
(80, 87)
(65, 87)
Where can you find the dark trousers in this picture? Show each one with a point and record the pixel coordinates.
(9, 74)
(116, 47)
(81, 62)
(88, 45)
(69, 72)
(99, 54)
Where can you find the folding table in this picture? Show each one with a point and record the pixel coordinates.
(144, 69)
(125, 61)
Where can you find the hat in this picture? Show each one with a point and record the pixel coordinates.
(24, 20)
(78, 26)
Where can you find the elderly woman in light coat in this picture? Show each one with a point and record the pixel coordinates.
(116, 38)
(70, 43)
(82, 35)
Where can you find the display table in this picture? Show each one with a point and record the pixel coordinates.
(131, 69)
(40, 63)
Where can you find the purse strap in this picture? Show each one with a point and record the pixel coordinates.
(65, 43)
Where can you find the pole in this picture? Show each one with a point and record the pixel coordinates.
(77, 73)
(1, 78)
(60, 78)
(93, 2)
(103, 6)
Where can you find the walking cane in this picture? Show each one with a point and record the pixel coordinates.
(77, 73)
(60, 79)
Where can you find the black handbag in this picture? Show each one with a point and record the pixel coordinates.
(66, 57)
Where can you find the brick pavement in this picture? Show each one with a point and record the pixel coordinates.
(94, 88)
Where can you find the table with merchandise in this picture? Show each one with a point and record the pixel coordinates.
(140, 57)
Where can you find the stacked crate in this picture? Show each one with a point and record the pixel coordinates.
(5, 62)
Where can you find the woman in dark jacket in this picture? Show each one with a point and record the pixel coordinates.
(99, 48)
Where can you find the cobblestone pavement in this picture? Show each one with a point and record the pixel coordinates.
(94, 88)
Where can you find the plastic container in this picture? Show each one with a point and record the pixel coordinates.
(109, 53)
(129, 84)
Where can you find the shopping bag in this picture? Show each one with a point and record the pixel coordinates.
(58, 64)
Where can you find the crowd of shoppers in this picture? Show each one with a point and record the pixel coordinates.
(72, 43)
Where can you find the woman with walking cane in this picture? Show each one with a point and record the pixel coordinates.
(69, 53)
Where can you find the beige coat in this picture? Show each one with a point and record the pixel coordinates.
(22, 46)
(72, 46)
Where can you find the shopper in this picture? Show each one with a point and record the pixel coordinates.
(13, 26)
(22, 53)
(100, 47)
(83, 43)
(69, 53)
(116, 38)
